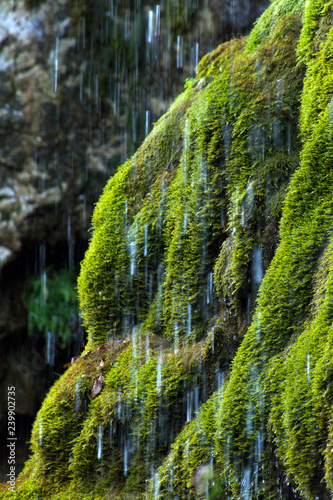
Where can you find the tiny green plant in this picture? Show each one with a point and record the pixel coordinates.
(52, 304)
(188, 82)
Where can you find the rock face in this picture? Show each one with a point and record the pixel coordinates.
(61, 86)
(206, 291)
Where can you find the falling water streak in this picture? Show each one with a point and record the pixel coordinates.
(134, 341)
(43, 288)
(126, 212)
(210, 288)
(132, 254)
(196, 399)
(189, 401)
(147, 348)
(157, 20)
(50, 348)
(159, 375)
(56, 65)
(257, 265)
(196, 56)
(40, 440)
(308, 366)
(119, 404)
(176, 339)
(125, 459)
(189, 318)
(242, 216)
(99, 442)
(157, 486)
(147, 122)
(185, 221)
(186, 144)
(150, 26)
(179, 51)
(77, 396)
(145, 251)
(246, 484)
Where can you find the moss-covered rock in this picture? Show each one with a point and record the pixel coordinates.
(207, 292)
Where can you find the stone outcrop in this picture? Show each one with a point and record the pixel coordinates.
(62, 129)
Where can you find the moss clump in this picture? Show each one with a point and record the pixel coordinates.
(210, 262)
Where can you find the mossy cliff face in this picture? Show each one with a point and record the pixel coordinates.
(207, 291)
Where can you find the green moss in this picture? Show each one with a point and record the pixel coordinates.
(221, 390)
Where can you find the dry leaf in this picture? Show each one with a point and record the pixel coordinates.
(98, 385)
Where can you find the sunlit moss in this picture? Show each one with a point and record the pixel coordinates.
(208, 280)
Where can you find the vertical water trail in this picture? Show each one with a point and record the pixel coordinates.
(189, 319)
(257, 265)
(145, 251)
(159, 374)
(50, 348)
(99, 441)
(125, 459)
(147, 348)
(40, 439)
(176, 341)
(77, 396)
(180, 49)
(56, 65)
(150, 26)
(132, 257)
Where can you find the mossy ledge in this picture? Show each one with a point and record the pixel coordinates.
(207, 292)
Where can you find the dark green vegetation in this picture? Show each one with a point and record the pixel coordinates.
(52, 304)
(225, 392)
